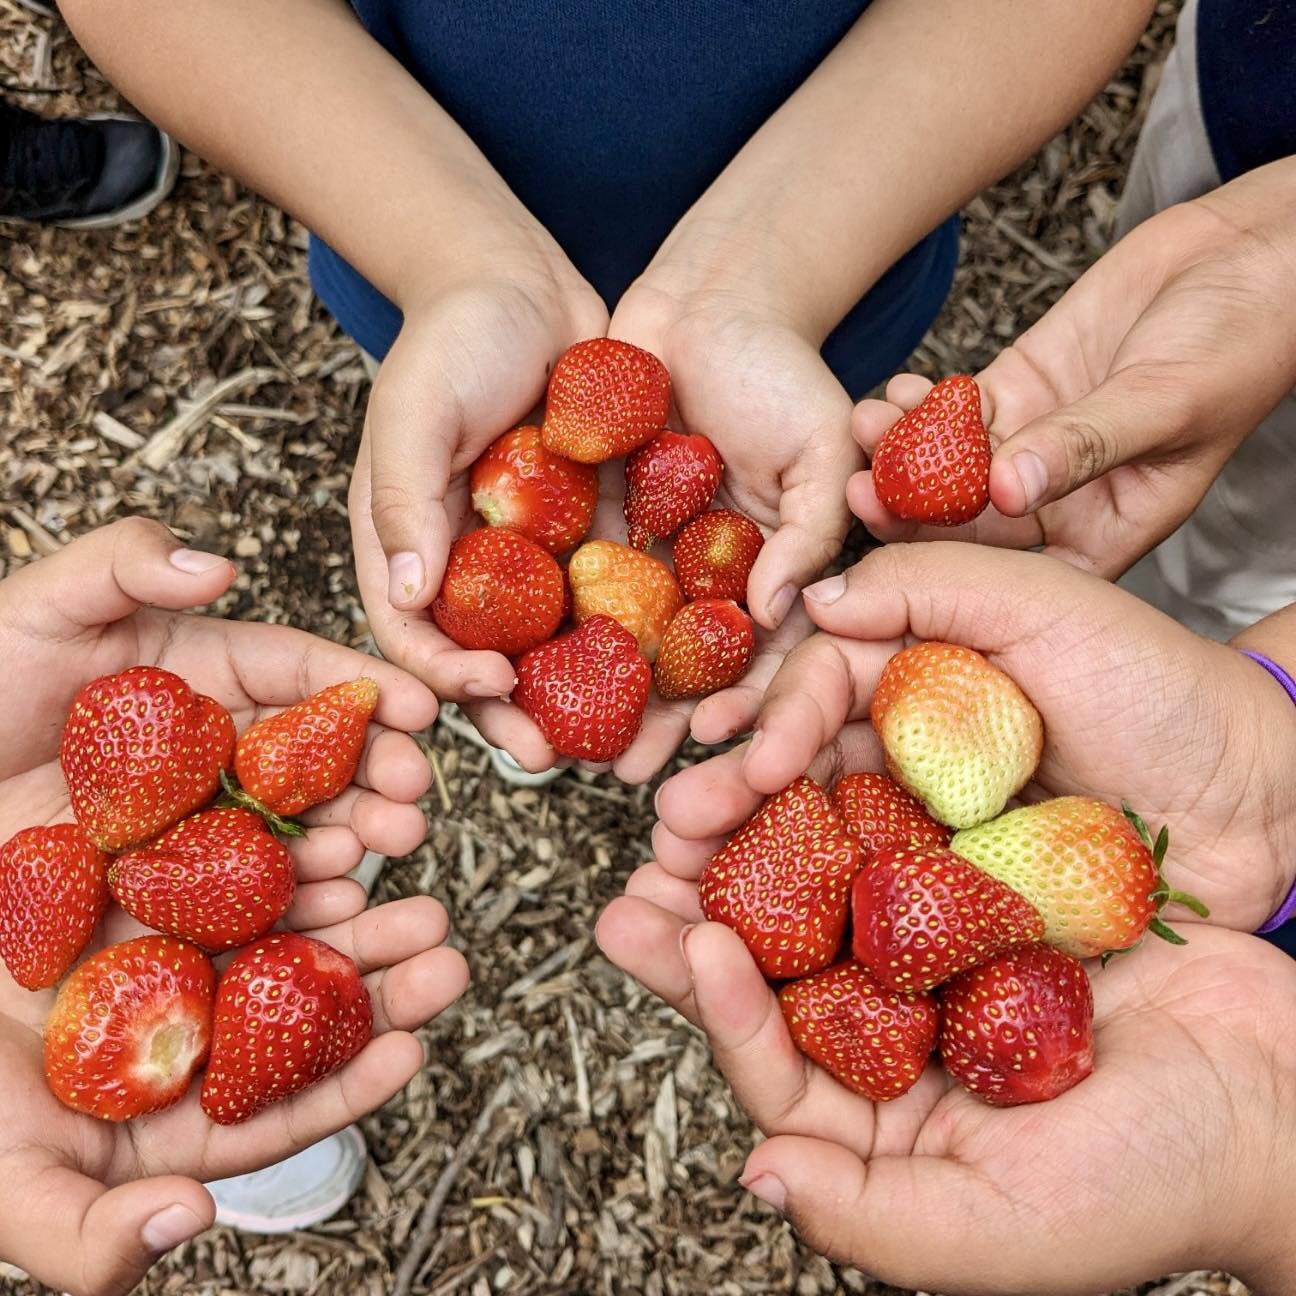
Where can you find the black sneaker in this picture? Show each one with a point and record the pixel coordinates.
(86, 172)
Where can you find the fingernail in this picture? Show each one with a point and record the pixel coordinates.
(781, 603)
(404, 577)
(169, 1227)
(769, 1189)
(683, 938)
(826, 591)
(480, 689)
(657, 803)
(1033, 476)
(195, 562)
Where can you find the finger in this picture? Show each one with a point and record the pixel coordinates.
(709, 799)
(655, 884)
(325, 853)
(394, 765)
(509, 728)
(410, 993)
(665, 726)
(682, 856)
(644, 941)
(388, 827)
(906, 390)
(388, 933)
(318, 904)
(112, 572)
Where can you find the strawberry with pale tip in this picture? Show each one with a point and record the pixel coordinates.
(715, 553)
(669, 480)
(633, 588)
(707, 646)
(883, 815)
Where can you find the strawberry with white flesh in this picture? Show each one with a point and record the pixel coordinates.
(290, 1010)
(1093, 871)
(782, 882)
(668, 481)
(871, 1039)
(130, 1027)
(1019, 1029)
(883, 815)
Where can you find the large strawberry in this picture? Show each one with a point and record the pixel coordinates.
(782, 882)
(307, 753)
(586, 690)
(933, 464)
(957, 732)
(874, 1041)
(519, 484)
(218, 879)
(1019, 1029)
(633, 588)
(290, 1010)
(53, 891)
(707, 647)
(605, 399)
(668, 481)
(714, 555)
(920, 915)
(878, 811)
(140, 751)
(130, 1027)
(500, 592)
(1091, 870)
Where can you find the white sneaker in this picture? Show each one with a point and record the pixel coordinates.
(302, 1191)
(501, 762)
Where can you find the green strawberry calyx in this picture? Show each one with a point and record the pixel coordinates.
(1164, 893)
(235, 796)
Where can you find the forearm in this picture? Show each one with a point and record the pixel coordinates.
(922, 104)
(297, 100)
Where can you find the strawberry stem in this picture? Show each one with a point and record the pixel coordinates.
(235, 796)
(1164, 893)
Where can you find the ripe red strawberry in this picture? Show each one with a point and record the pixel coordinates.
(501, 591)
(218, 879)
(290, 1010)
(140, 751)
(668, 481)
(874, 1041)
(307, 753)
(519, 484)
(707, 647)
(609, 579)
(53, 891)
(958, 733)
(1093, 872)
(714, 555)
(1019, 1029)
(130, 1027)
(782, 882)
(933, 464)
(920, 915)
(605, 399)
(883, 815)
(586, 690)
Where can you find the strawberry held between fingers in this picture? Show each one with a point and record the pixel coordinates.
(605, 399)
(782, 882)
(53, 891)
(290, 1010)
(1019, 1029)
(933, 464)
(668, 481)
(140, 751)
(883, 815)
(130, 1027)
(715, 553)
(707, 646)
(633, 588)
(874, 1041)
(218, 879)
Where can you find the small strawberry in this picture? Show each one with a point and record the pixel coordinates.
(668, 481)
(290, 1010)
(609, 579)
(130, 1027)
(218, 879)
(305, 754)
(782, 882)
(501, 592)
(933, 464)
(1019, 1029)
(519, 484)
(707, 647)
(883, 815)
(586, 690)
(53, 891)
(958, 733)
(714, 555)
(920, 915)
(605, 399)
(140, 751)
(872, 1040)
(1093, 872)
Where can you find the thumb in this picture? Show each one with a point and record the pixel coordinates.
(1139, 411)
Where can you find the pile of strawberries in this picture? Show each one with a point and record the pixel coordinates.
(537, 489)
(914, 912)
(144, 758)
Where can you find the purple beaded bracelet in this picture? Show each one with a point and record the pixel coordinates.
(1287, 911)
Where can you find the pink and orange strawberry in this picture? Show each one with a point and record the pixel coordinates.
(633, 588)
(669, 481)
(707, 646)
(715, 553)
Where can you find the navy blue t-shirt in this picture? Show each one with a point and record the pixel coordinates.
(609, 121)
